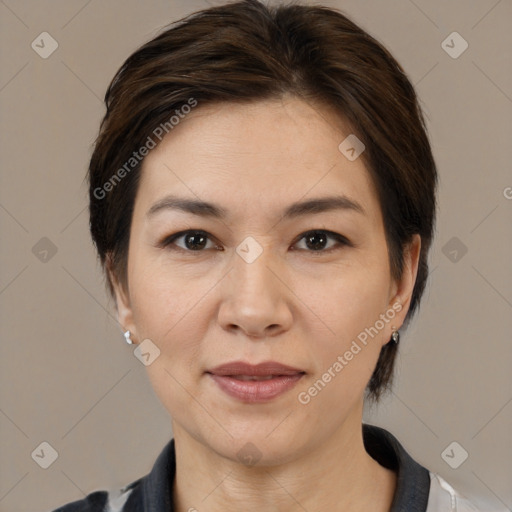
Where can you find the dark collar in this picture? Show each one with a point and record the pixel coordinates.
(413, 480)
(154, 491)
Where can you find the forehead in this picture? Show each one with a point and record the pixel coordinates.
(255, 158)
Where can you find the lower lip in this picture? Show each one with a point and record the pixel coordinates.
(256, 391)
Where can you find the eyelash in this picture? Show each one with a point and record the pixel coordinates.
(168, 242)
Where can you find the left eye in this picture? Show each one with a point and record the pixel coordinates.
(197, 240)
(317, 240)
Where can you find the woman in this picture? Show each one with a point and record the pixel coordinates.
(262, 199)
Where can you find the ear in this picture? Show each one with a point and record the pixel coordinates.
(401, 290)
(123, 303)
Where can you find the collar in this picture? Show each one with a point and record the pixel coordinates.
(154, 490)
(413, 480)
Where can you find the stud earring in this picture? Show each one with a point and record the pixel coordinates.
(127, 338)
(395, 337)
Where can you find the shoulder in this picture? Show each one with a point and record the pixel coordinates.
(127, 499)
(444, 498)
(418, 489)
(147, 493)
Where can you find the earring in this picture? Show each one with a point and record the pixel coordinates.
(127, 338)
(395, 337)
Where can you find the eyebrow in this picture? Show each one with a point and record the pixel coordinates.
(205, 209)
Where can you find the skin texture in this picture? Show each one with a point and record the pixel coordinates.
(293, 305)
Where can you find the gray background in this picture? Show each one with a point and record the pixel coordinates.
(67, 376)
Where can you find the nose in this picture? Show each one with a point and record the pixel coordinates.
(256, 298)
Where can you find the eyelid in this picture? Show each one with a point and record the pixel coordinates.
(169, 240)
(342, 240)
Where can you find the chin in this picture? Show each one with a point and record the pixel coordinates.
(253, 446)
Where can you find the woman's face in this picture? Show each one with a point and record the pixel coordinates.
(254, 285)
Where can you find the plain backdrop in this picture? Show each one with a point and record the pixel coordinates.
(68, 378)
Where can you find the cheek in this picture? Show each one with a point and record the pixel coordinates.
(167, 310)
(163, 299)
(351, 308)
(354, 300)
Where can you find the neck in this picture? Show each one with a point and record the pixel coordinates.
(337, 474)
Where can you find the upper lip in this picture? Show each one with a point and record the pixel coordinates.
(258, 370)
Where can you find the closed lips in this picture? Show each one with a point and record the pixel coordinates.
(253, 384)
(262, 371)
(254, 377)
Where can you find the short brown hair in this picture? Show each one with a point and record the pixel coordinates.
(246, 51)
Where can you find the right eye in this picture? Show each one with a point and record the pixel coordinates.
(194, 240)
